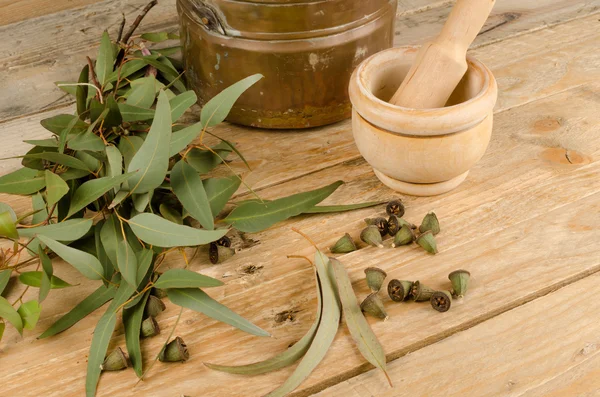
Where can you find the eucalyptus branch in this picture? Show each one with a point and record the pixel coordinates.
(137, 21)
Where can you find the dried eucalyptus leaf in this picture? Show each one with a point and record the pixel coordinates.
(23, 181)
(154, 230)
(254, 216)
(197, 300)
(87, 264)
(189, 189)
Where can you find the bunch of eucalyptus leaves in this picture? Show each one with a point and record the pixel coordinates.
(120, 184)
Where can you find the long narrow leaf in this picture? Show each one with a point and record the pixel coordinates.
(9, 313)
(187, 186)
(105, 59)
(87, 264)
(22, 181)
(70, 230)
(220, 190)
(92, 190)
(127, 262)
(324, 209)
(132, 322)
(183, 278)
(182, 138)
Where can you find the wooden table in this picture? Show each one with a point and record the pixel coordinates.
(525, 223)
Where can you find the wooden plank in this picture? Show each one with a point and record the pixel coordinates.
(490, 226)
(516, 353)
(12, 11)
(28, 73)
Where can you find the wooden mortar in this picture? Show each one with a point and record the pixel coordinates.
(421, 152)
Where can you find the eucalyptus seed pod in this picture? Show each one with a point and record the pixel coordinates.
(371, 235)
(154, 306)
(115, 361)
(150, 327)
(374, 306)
(441, 301)
(344, 245)
(381, 223)
(402, 222)
(460, 282)
(219, 253)
(427, 242)
(393, 225)
(399, 290)
(430, 222)
(224, 241)
(420, 292)
(159, 292)
(175, 351)
(395, 207)
(375, 277)
(404, 236)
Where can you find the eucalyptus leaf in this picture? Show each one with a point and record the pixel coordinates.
(255, 216)
(7, 208)
(22, 181)
(39, 206)
(324, 209)
(88, 158)
(94, 189)
(220, 190)
(189, 189)
(181, 103)
(182, 138)
(87, 264)
(7, 226)
(132, 322)
(30, 313)
(114, 163)
(64, 135)
(87, 306)
(129, 68)
(59, 158)
(56, 187)
(144, 259)
(81, 92)
(110, 236)
(8, 313)
(143, 94)
(101, 252)
(87, 141)
(105, 59)
(158, 37)
(154, 230)
(4, 279)
(46, 278)
(152, 159)
(206, 160)
(2, 328)
(129, 146)
(56, 124)
(34, 279)
(73, 173)
(217, 109)
(197, 300)
(232, 147)
(141, 201)
(50, 142)
(127, 262)
(133, 113)
(183, 278)
(70, 230)
(167, 72)
(170, 214)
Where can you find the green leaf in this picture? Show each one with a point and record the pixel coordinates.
(170, 214)
(4, 279)
(232, 147)
(154, 230)
(114, 164)
(129, 68)
(188, 188)
(158, 37)
(91, 162)
(205, 160)
(132, 322)
(94, 301)
(34, 279)
(64, 135)
(7, 226)
(94, 189)
(141, 201)
(69, 230)
(59, 158)
(133, 113)
(144, 259)
(113, 118)
(9, 313)
(110, 235)
(255, 216)
(127, 262)
(105, 60)
(23, 181)
(144, 94)
(167, 72)
(47, 279)
(182, 138)
(324, 209)
(217, 109)
(152, 159)
(101, 252)
(39, 205)
(56, 187)
(81, 92)
(183, 278)
(2, 327)
(87, 141)
(220, 190)
(60, 122)
(181, 103)
(87, 264)
(101, 338)
(73, 173)
(50, 142)
(129, 146)
(7, 208)
(198, 300)
(30, 313)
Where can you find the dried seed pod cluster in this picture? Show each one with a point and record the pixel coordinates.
(404, 290)
(220, 250)
(430, 226)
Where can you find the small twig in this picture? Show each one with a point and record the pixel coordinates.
(95, 79)
(121, 28)
(301, 257)
(138, 20)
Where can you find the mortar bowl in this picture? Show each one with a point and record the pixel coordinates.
(421, 152)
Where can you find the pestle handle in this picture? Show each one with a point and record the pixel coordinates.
(441, 63)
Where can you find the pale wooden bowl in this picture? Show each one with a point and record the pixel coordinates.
(422, 152)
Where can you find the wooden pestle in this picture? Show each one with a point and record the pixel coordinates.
(441, 63)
